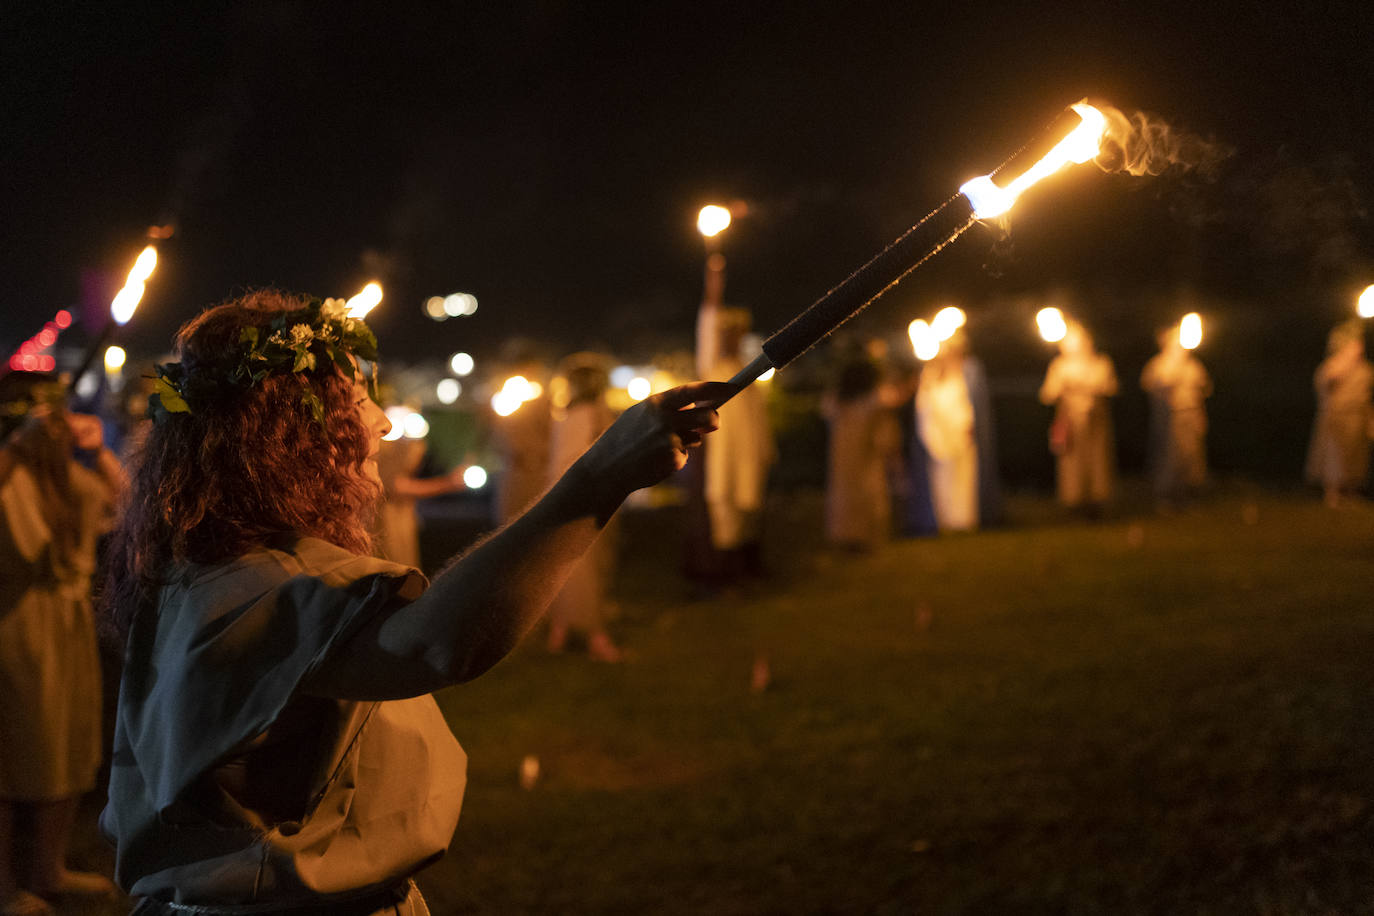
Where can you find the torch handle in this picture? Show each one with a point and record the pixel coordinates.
(95, 347)
(746, 376)
(884, 271)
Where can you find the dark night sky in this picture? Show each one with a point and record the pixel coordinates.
(550, 157)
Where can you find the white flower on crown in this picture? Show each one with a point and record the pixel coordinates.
(301, 333)
(334, 310)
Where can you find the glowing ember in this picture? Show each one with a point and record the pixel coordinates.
(365, 301)
(1082, 143)
(1052, 325)
(1190, 331)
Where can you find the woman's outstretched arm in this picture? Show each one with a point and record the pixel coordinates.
(484, 602)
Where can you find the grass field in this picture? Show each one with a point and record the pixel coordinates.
(1149, 714)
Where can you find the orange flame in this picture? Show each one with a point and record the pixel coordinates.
(1079, 145)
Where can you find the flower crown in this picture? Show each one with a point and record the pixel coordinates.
(301, 341)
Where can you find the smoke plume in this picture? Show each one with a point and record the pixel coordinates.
(1142, 144)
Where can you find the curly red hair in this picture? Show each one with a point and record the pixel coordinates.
(211, 485)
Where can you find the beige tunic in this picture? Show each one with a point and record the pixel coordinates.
(857, 499)
(50, 741)
(581, 602)
(1339, 454)
(1082, 438)
(230, 786)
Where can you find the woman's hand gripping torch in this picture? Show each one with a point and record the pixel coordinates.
(1073, 137)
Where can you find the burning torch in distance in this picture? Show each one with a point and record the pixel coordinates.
(1075, 136)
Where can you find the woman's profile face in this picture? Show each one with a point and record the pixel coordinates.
(375, 422)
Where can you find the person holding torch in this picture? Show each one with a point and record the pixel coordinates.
(276, 749)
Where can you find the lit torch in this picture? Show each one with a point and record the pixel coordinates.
(1075, 136)
(122, 307)
(365, 301)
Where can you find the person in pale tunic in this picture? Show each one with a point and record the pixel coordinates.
(741, 450)
(945, 423)
(276, 746)
(1338, 458)
(398, 522)
(1079, 383)
(580, 606)
(1178, 386)
(862, 441)
(54, 510)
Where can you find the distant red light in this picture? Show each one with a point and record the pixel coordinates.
(28, 348)
(47, 337)
(47, 363)
(16, 362)
(63, 319)
(30, 363)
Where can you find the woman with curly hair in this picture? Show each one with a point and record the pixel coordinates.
(52, 510)
(276, 747)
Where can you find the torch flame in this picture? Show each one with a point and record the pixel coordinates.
(713, 220)
(925, 343)
(1081, 144)
(1053, 327)
(365, 301)
(126, 300)
(1190, 331)
(1365, 307)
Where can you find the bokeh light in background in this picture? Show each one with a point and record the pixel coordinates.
(462, 364)
(946, 321)
(448, 390)
(712, 220)
(115, 357)
(1190, 331)
(1052, 325)
(1365, 307)
(475, 477)
(924, 343)
(516, 391)
(397, 415)
(367, 299)
(414, 426)
(127, 299)
(639, 388)
(458, 304)
(434, 308)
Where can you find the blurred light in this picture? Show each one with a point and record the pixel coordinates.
(639, 388)
(462, 364)
(17, 363)
(475, 477)
(415, 426)
(924, 343)
(469, 304)
(143, 267)
(454, 305)
(504, 403)
(365, 301)
(63, 319)
(47, 337)
(126, 303)
(1365, 307)
(46, 364)
(397, 415)
(434, 308)
(768, 374)
(712, 220)
(1052, 325)
(621, 376)
(1190, 331)
(115, 358)
(88, 384)
(948, 320)
(448, 390)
